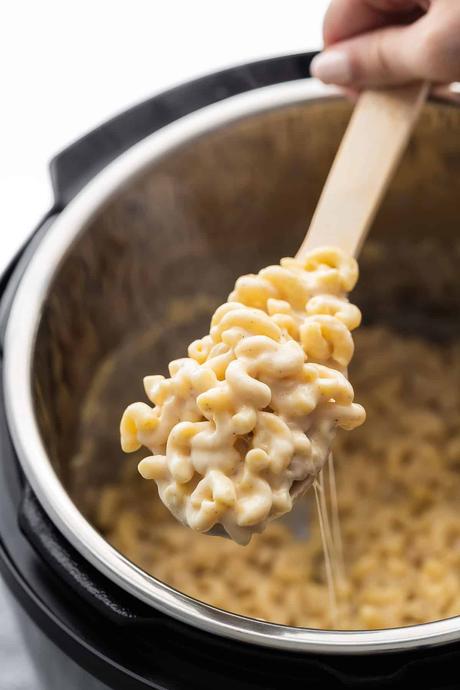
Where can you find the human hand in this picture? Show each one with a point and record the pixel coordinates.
(372, 43)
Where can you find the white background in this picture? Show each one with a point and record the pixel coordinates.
(67, 65)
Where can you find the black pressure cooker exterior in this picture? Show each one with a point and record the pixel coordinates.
(81, 629)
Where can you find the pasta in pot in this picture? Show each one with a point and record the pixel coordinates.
(245, 422)
(398, 479)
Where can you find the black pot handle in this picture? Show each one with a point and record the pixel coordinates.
(75, 571)
(76, 165)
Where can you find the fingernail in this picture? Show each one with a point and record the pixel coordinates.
(332, 67)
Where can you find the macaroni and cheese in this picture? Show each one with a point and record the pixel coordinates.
(398, 482)
(245, 422)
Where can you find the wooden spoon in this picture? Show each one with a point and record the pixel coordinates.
(370, 150)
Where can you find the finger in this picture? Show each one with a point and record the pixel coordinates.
(428, 49)
(372, 59)
(438, 47)
(347, 18)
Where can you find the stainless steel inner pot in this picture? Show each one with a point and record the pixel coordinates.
(165, 230)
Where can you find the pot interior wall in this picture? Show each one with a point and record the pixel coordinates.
(145, 274)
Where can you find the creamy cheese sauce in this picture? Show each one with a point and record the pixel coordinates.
(244, 424)
(398, 484)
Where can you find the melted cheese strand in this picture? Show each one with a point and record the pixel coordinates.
(322, 512)
(335, 521)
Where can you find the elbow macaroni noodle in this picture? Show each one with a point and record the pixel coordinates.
(398, 479)
(245, 422)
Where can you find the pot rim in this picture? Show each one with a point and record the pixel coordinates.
(20, 338)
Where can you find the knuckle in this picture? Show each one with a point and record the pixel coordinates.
(439, 52)
(381, 58)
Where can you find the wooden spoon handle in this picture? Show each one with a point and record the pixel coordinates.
(373, 143)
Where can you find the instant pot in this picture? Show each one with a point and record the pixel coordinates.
(174, 199)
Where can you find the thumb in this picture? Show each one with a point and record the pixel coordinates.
(391, 56)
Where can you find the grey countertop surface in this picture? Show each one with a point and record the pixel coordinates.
(16, 671)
